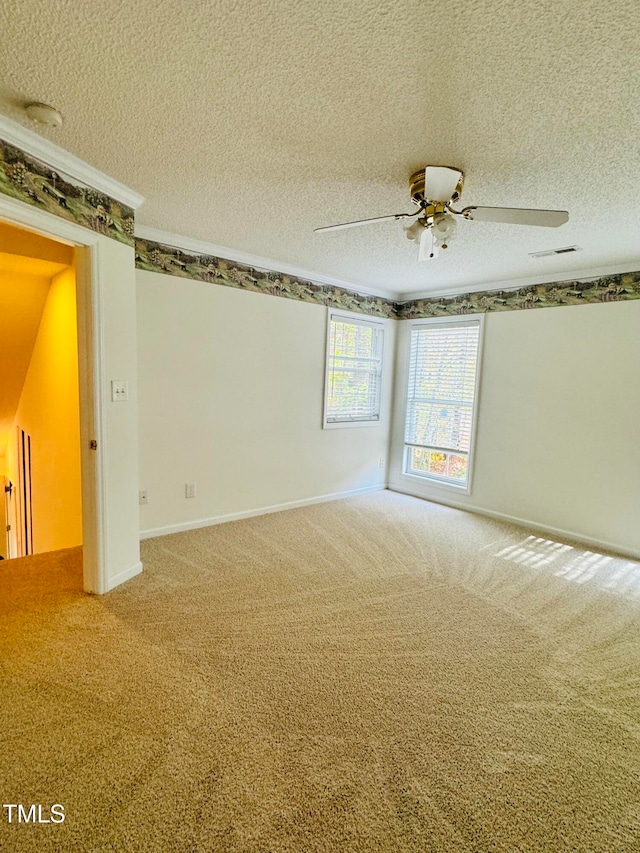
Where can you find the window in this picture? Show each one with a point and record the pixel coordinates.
(354, 371)
(441, 400)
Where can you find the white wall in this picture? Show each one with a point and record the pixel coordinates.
(111, 266)
(557, 429)
(230, 397)
(117, 342)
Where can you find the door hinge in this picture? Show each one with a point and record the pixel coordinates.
(8, 527)
(93, 444)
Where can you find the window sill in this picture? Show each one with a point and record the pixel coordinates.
(432, 482)
(350, 424)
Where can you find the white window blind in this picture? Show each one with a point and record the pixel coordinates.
(354, 371)
(440, 401)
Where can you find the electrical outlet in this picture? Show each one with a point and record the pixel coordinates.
(190, 490)
(381, 462)
(143, 497)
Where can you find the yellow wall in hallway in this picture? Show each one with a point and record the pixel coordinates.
(27, 244)
(49, 412)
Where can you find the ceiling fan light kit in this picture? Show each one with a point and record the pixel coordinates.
(415, 230)
(443, 227)
(434, 190)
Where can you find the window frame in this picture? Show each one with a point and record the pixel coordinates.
(428, 479)
(364, 320)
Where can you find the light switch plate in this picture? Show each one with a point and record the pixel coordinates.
(119, 390)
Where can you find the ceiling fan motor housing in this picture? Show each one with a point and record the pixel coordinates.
(417, 186)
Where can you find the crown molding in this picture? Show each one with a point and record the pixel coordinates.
(201, 247)
(60, 160)
(582, 275)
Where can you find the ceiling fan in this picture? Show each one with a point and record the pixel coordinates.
(433, 190)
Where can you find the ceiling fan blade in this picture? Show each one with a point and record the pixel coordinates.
(517, 216)
(427, 248)
(363, 222)
(440, 182)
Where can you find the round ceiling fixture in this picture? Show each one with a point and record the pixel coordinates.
(44, 114)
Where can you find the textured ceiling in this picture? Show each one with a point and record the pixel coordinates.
(248, 125)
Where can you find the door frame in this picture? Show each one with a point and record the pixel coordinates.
(89, 303)
(10, 517)
(24, 527)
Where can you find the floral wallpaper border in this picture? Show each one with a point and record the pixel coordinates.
(158, 257)
(610, 288)
(29, 180)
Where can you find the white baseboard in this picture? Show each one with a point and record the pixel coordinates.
(570, 535)
(121, 577)
(250, 513)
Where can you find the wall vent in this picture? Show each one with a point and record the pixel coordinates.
(549, 252)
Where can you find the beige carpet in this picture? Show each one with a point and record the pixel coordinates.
(374, 674)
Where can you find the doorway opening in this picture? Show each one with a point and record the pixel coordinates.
(40, 447)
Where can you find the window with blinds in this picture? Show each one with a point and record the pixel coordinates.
(441, 398)
(353, 371)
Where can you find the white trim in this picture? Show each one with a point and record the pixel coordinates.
(251, 513)
(93, 500)
(425, 479)
(582, 275)
(570, 535)
(201, 247)
(99, 426)
(126, 575)
(47, 224)
(66, 163)
(350, 424)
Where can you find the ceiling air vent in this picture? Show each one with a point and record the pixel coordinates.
(549, 252)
